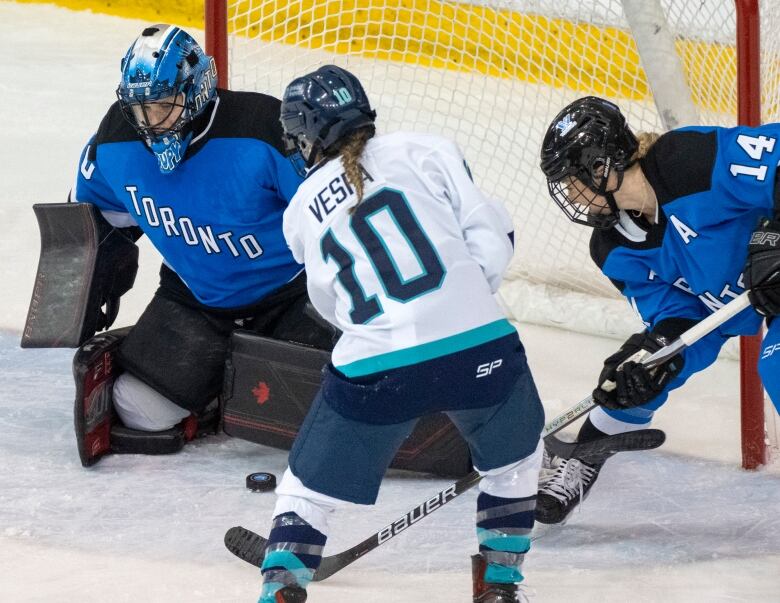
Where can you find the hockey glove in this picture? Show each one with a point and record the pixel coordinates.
(762, 268)
(625, 383)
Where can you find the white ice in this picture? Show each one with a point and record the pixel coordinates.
(680, 524)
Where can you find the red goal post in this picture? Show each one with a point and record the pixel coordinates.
(430, 60)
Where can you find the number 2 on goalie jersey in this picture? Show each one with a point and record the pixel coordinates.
(381, 256)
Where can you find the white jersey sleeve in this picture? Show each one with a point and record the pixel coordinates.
(485, 224)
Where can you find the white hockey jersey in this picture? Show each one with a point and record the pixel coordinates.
(410, 274)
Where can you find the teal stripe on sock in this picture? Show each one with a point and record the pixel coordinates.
(285, 559)
(428, 351)
(506, 543)
(501, 574)
(268, 594)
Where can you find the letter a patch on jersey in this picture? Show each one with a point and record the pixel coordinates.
(686, 232)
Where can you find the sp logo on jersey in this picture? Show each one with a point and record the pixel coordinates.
(483, 370)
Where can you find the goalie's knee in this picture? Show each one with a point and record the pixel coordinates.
(515, 480)
(141, 407)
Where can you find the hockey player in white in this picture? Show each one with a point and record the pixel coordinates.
(403, 254)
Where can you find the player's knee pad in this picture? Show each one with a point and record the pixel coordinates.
(515, 480)
(312, 506)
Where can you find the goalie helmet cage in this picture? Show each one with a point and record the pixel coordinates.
(491, 74)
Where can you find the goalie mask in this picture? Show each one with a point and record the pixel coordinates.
(167, 81)
(585, 144)
(320, 109)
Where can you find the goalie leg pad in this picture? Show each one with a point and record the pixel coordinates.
(98, 430)
(94, 371)
(270, 385)
(133, 441)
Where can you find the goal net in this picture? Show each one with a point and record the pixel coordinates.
(492, 74)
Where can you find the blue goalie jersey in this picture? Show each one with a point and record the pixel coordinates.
(712, 185)
(217, 218)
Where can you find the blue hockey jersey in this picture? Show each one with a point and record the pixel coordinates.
(217, 218)
(712, 185)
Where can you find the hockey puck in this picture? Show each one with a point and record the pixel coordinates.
(261, 482)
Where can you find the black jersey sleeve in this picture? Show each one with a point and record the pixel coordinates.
(680, 163)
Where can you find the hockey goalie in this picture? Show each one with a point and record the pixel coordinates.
(227, 333)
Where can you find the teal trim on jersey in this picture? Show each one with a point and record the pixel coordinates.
(428, 351)
(506, 543)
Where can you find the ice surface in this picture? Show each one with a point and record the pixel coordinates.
(679, 524)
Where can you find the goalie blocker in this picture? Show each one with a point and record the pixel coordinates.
(85, 266)
(269, 388)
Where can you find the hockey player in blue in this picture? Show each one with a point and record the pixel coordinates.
(683, 223)
(404, 254)
(204, 174)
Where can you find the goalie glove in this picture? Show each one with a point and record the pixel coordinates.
(625, 383)
(762, 268)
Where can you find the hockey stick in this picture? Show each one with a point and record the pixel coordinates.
(250, 546)
(687, 339)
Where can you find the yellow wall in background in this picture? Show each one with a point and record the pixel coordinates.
(182, 12)
(556, 52)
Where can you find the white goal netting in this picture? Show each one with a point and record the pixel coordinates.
(491, 74)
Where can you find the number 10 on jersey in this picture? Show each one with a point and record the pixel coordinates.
(380, 254)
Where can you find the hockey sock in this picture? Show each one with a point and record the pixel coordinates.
(293, 554)
(589, 432)
(503, 531)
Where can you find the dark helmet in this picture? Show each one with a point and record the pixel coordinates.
(319, 109)
(586, 141)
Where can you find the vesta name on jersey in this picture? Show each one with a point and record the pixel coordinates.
(417, 513)
(334, 194)
(194, 235)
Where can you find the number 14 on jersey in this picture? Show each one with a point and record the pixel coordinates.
(754, 146)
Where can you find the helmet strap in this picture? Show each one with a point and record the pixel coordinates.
(613, 206)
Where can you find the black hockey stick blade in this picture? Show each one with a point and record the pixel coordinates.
(597, 451)
(246, 545)
(249, 546)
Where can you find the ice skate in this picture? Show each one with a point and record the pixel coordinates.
(291, 594)
(487, 592)
(567, 487)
